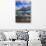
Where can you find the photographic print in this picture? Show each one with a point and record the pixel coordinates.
(23, 38)
(22, 35)
(14, 38)
(23, 11)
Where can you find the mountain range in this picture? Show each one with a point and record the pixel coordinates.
(23, 11)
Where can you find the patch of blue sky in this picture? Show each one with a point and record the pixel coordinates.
(20, 4)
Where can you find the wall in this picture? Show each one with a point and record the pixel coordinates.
(7, 15)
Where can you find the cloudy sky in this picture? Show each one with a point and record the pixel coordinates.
(23, 0)
(22, 3)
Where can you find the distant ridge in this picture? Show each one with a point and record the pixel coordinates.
(25, 8)
(24, 11)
